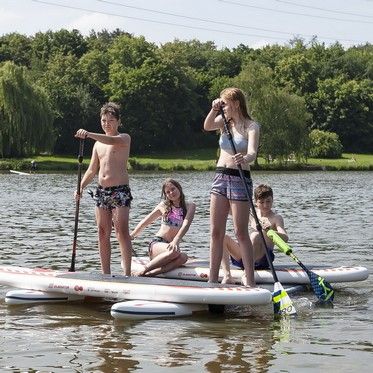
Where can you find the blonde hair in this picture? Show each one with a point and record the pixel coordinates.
(236, 94)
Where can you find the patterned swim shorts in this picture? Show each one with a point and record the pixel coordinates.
(111, 197)
(228, 183)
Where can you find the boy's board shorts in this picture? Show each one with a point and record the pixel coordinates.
(262, 263)
(112, 197)
(228, 183)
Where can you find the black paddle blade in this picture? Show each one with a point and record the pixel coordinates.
(323, 290)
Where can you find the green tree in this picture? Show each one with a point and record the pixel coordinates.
(47, 44)
(26, 119)
(346, 108)
(15, 47)
(281, 115)
(157, 96)
(297, 73)
(324, 144)
(71, 98)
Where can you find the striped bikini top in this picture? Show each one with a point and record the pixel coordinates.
(174, 218)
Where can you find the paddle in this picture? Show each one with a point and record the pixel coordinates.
(320, 286)
(77, 205)
(282, 303)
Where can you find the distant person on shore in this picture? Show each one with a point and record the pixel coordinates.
(176, 215)
(228, 192)
(113, 195)
(263, 196)
(33, 166)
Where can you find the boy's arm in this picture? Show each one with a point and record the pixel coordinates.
(122, 139)
(280, 228)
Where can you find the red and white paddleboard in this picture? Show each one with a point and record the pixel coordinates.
(289, 274)
(131, 288)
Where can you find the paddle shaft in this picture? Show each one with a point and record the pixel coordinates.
(258, 225)
(77, 205)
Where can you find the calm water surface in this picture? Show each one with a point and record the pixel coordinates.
(329, 220)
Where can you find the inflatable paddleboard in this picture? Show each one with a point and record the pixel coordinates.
(288, 274)
(23, 296)
(19, 173)
(137, 309)
(131, 288)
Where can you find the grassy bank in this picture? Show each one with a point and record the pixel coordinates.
(200, 160)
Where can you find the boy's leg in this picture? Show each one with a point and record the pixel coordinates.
(259, 249)
(120, 220)
(103, 219)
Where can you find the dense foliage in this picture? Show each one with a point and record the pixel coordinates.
(324, 144)
(53, 83)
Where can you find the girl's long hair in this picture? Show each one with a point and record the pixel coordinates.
(236, 94)
(167, 202)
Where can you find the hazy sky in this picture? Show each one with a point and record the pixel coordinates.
(226, 22)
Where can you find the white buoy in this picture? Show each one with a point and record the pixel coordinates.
(24, 296)
(142, 309)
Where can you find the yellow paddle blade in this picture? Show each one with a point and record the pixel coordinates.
(282, 303)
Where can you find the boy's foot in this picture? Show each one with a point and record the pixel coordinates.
(227, 279)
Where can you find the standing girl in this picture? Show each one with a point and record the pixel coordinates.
(228, 192)
(176, 216)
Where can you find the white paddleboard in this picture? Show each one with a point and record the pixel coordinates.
(139, 310)
(289, 274)
(131, 288)
(23, 296)
(19, 172)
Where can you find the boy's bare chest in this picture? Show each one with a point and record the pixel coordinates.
(109, 151)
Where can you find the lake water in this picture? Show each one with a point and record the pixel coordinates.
(329, 219)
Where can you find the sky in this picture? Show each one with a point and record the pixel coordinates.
(227, 23)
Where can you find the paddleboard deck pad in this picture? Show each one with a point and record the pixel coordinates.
(198, 270)
(119, 287)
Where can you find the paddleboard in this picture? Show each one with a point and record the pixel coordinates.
(19, 172)
(139, 310)
(24, 296)
(196, 269)
(131, 288)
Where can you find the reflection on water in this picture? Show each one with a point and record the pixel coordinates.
(329, 219)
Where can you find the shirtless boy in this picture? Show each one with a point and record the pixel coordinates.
(263, 196)
(113, 195)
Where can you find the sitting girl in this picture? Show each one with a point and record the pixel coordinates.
(176, 216)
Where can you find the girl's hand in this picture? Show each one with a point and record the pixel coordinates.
(239, 158)
(217, 104)
(173, 246)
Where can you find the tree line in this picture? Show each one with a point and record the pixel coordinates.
(303, 95)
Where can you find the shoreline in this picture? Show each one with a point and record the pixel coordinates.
(200, 160)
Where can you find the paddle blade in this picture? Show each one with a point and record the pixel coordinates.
(282, 303)
(323, 290)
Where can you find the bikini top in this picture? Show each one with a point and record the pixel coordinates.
(239, 141)
(174, 218)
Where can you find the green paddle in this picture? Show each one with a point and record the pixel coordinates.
(282, 304)
(320, 286)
